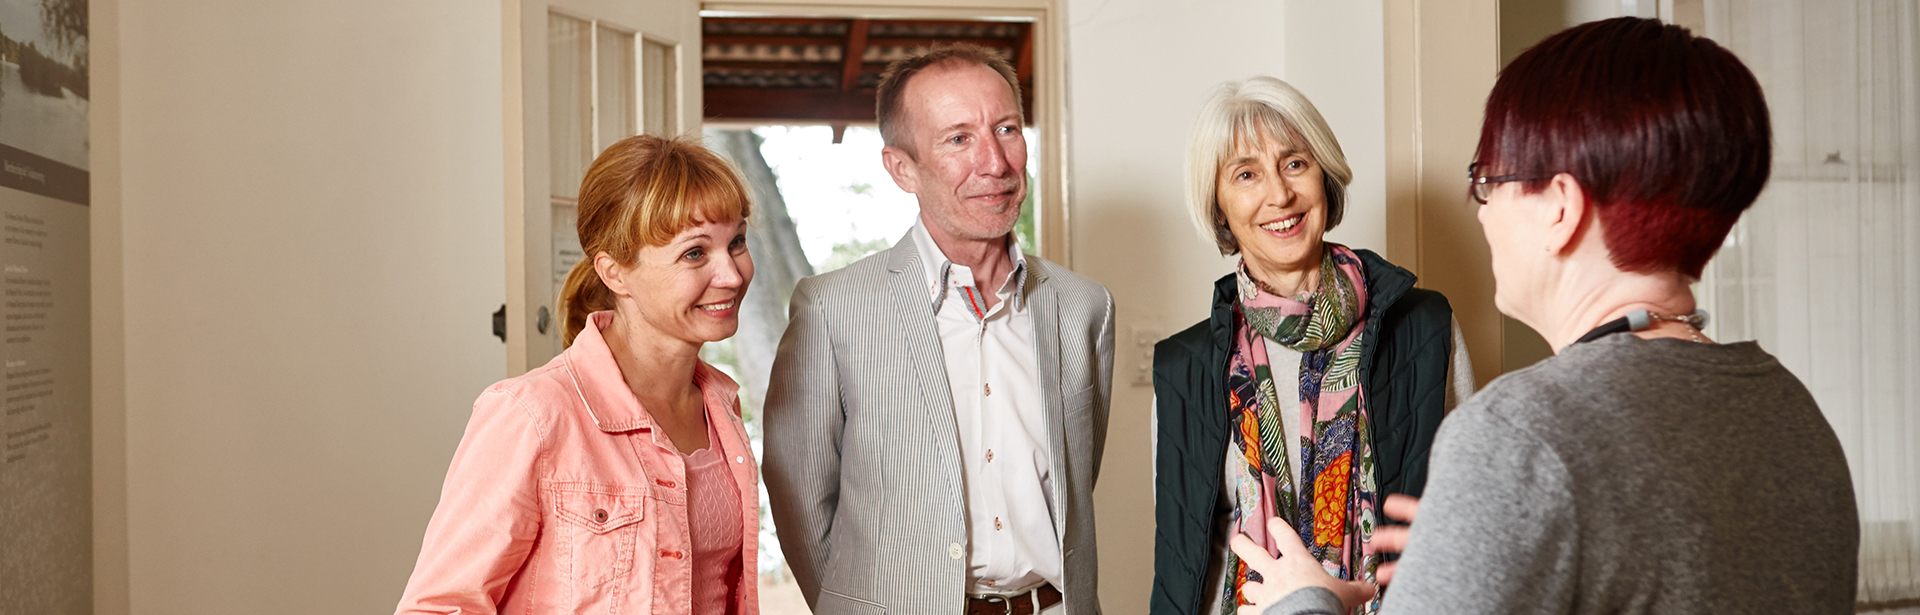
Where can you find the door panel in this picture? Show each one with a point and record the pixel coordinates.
(580, 75)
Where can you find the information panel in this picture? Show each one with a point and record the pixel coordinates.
(46, 507)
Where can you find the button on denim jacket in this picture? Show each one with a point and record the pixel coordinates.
(566, 497)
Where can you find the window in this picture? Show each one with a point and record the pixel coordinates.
(1824, 271)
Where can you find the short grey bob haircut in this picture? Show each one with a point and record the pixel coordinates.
(1242, 111)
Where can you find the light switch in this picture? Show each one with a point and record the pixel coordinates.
(1142, 351)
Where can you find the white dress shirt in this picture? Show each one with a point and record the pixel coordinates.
(992, 366)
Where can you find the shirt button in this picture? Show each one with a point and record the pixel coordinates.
(600, 515)
(996, 524)
(953, 551)
(989, 455)
(739, 459)
(664, 483)
(989, 390)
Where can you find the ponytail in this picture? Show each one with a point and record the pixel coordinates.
(582, 294)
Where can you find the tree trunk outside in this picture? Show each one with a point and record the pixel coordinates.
(778, 264)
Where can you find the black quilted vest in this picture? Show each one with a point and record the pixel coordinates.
(1403, 370)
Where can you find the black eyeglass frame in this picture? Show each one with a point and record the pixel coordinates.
(1480, 187)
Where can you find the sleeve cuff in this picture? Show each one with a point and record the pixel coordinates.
(1308, 601)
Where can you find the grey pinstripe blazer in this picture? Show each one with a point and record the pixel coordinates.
(862, 460)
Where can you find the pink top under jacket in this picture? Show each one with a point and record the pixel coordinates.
(564, 497)
(713, 519)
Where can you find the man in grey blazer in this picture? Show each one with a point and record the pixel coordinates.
(932, 442)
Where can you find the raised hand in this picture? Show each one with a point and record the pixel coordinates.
(1393, 538)
(1295, 569)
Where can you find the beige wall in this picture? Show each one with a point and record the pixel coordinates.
(311, 241)
(109, 315)
(1138, 73)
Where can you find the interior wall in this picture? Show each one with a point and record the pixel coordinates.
(1138, 73)
(312, 249)
(1525, 22)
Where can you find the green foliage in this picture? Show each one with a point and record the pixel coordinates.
(723, 356)
(1023, 228)
(858, 187)
(845, 253)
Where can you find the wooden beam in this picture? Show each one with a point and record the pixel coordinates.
(856, 48)
(755, 66)
(827, 105)
(748, 39)
(805, 21)
(1023, 65)
(990, 43)
(965, 23)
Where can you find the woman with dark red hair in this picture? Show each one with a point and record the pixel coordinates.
(1644, 468)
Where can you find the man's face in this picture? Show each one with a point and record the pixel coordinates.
(970, 174)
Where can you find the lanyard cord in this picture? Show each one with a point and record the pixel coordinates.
(1639, 320)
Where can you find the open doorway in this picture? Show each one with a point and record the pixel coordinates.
(791, 101)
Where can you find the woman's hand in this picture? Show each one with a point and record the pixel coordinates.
(1295, 569)
(1393, 538)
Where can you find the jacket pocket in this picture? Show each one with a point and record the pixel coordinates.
(597, 526)
(1079, 401)
(836, 602)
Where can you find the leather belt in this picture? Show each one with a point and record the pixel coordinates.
(1026, 603)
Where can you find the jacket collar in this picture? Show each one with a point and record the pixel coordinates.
(603, 389)
(939, 268)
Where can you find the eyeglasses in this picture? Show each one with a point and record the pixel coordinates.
(1481, 187)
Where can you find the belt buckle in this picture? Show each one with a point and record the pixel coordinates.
(1006, 603)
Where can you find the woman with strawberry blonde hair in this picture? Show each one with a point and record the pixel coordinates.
(617, 477)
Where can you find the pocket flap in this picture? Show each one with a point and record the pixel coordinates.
(599, 508)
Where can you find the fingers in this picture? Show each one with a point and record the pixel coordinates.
(1256, 593)
(1384, 574)
(1402, 507)
(1287, 539)
(1391, 538)
(1255, 556)
(1354, 593)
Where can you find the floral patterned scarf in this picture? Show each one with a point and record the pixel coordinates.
(1335, 517)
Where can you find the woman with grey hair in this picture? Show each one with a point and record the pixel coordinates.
(1316, 386)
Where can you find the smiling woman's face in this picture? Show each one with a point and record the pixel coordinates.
(689, 289)
(1275, 203)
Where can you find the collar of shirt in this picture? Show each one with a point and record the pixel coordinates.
(939, 268)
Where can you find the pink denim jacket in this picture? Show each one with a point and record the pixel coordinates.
(564, 497)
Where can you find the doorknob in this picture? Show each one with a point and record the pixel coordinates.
(500, 323)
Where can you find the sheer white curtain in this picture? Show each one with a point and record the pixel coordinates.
(1824, 271)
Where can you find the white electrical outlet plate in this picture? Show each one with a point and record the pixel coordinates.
(1142, 351)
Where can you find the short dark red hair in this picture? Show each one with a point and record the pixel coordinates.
(1666, 132)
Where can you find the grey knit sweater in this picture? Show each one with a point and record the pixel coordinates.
(1632, 476)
